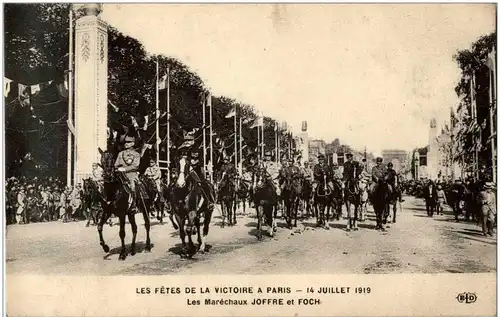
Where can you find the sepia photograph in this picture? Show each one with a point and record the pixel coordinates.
(236, 139)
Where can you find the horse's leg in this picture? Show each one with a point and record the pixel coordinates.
(123, 252)
(206, 226)
(348, 209)
(182, 232)
(234, 214)
(147, 224)
(355, 218)
(297, 201)
(223, 208)
(100, 226)
(394, 210)
(133, 224)
(259, 221)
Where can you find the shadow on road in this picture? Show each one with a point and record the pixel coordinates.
(140, 247)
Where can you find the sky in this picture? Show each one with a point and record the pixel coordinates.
(369, 74)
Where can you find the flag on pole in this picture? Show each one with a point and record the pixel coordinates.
(146, 121)
(134, 122)
(163, 82)
(7, 86)
(115, 108)
(490, 62)
(231, 113)
(247, 120)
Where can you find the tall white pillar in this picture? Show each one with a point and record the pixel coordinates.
(91, 89)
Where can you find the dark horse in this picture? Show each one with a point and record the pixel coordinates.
(380, 201)
(154, 200)
(118, 200)
(352, 197)
(335, 202)
(91, 201)
(395, 198)
(191, 208)
(265, 198)
(227, 196)
(291, 198)
(305, 196)
(242, 193)
(321, 201)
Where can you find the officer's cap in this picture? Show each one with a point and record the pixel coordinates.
(321, 157)
(268, 154)
(390, 164)
(379, 160)
(195, 154)
(129, 139)
(348, 154)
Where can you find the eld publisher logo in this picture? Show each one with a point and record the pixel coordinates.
(467, 298)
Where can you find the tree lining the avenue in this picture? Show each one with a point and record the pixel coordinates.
(468, 129)
(36, 37)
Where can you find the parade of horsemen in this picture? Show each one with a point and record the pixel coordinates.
(147, 159)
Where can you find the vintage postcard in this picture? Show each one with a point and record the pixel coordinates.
(236, 159)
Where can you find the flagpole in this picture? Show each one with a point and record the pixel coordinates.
(157, 113)
(204, 135)
(168, 125)
(263, 144)
(70, 100)
(474, 107)
(211, 137)
(276, 141)
(259, 155)
(235, 138)
(492, 138)
(241, 150)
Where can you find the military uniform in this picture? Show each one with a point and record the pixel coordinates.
(128, 162)
(319, 173)
(271, 170)
(378, 173)
(153, 172)
(227, 169)
(351, 171)
(199, 171)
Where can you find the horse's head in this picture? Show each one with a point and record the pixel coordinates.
(183, 170)
(108, 165)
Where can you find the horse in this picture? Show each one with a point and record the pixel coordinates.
(321, 198)
(291, 196)
(363, 203)
(227, 196)
(118, 200)
(154, 200)
(91, 201)
(305, 195)
(380, 200)
(242, 193)
(189, 205)
(352, 197)
(395, 198)
(265, 199)
(335, 202)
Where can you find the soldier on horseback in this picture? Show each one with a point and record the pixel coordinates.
(127, 162)
(228, 169)
(200, 177)
(153, 172)
(321, 171)
(271, 170)
(392, 178)
(378, 173)
(351, 170)
(337, 174)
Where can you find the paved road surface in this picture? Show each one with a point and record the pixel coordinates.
(415, 244)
